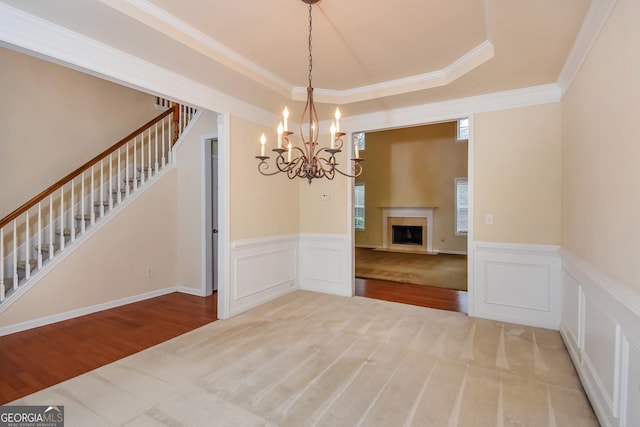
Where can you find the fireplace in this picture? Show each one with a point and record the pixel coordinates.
(406, 235)
(408, 229)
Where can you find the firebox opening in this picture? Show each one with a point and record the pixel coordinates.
(406, 235)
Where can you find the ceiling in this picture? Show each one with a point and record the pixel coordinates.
(368, 55)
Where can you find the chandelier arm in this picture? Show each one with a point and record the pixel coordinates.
(357, 169)
(263, 166)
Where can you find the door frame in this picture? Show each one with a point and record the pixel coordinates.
(367, 125)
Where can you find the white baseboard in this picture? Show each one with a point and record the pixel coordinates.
(601, 328)
(23, 326)
(517, 283)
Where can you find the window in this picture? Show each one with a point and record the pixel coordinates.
(462, 206)
(358, 138)
(463, 129)
(358, 206)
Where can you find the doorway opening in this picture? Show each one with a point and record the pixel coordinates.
(413, 168)
(211, 215)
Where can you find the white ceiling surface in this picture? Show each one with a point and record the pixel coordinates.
(368, 55)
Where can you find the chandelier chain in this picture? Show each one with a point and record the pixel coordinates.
(310, 56)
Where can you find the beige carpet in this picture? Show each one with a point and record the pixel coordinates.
(311, 359)
(442, 270)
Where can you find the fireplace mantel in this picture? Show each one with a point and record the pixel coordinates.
(408, 212)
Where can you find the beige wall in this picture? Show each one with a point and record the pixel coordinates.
(260, 206)
(600, 154)
(324, 216)
(112, 264)
(54, 119)
(413, 167)
(517, 175)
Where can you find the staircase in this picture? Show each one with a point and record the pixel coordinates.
(48, 225)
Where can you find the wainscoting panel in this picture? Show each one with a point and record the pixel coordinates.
(601, 328)
(325, 264)
(517, 283)
(572, 307)
(261, 270)
(630, 409)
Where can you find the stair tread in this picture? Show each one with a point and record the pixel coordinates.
(46, 247)
(23, 264)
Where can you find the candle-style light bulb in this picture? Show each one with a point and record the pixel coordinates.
(337, 120)
(263, 141)
(333, 136)
(289, 154)
(285, 114)
(280, 130)
(355, 148)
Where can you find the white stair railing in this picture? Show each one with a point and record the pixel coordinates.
(47, 225)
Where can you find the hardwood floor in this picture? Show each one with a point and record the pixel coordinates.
(41, 357)
(421, 295)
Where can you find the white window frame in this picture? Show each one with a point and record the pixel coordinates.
(356, 206)
(360, 137)
(462, 129)
(458, 209)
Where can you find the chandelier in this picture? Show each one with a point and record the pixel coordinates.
(308, 160)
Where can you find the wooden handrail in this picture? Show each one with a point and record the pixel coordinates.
(51, 189)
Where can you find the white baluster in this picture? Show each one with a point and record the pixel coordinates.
(92, 212)
(135, 150)
(120, 176)
(111, 180)
(27, 256)
(141, 178)
(156, 141)
(163, 153)
(39, 235)
(171, 124)
(72, 226)
(83, 226)
(126, 171)
(149, 158)
(1, 264)
(51, 227)
(101, 189)
(62, 242)
(15, 255)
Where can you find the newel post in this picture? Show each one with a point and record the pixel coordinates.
(176, 122)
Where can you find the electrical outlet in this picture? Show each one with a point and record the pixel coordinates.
(488, 219)
(148, 272)
(324, 197)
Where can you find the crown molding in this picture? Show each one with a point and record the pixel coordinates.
(167, 24)
(469, 61)
(149, 14)
(454, 109)
(594, 21)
